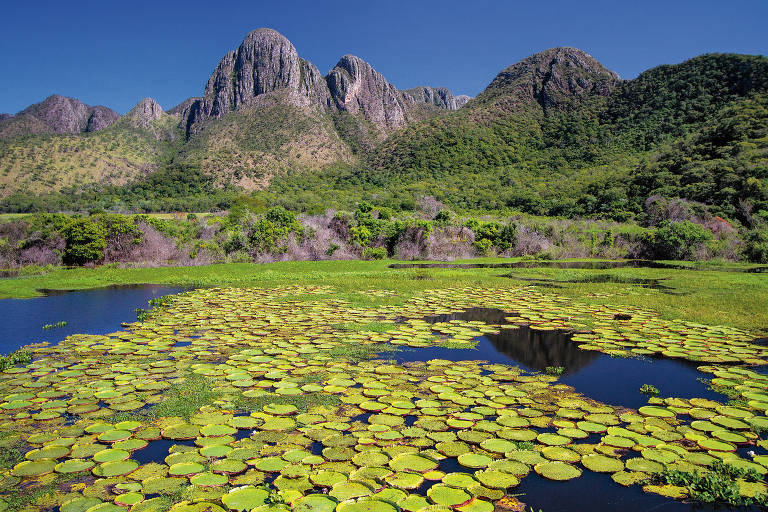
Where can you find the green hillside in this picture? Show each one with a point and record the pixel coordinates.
(247, 147)
(117, 155)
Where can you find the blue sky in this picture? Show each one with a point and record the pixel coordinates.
(115, 53)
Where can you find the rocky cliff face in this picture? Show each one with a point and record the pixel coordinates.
(58, 114)
(438, 96)
(462, 100)
(357, 88)
(263, 63)
(558, 78)
(179, 109)
(266, 62)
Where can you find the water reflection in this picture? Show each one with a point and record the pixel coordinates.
(613, 380)
(532, 348)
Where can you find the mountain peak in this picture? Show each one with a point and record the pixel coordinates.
(356, 87)
(145, 111)
(439, 97)
(58, 114)
(557, 78)
(267, 62)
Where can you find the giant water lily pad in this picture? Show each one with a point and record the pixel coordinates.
(366, 505)
(74, 466)
(557, 470)
(32, 468)
(244, 498)
(601, 463)
(442, 494)
(474, 460)
(496, 479)
(115, 468)
(412, 462)
(314, 503)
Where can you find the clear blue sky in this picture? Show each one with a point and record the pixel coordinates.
(114, 53)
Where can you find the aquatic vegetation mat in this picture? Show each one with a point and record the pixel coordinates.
(272, 399)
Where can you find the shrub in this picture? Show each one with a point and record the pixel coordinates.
(271, 232)
(122, 235)
(443, 217)
(361, 235)
(492, 234)
(678, 240)
(86, 241)
(483, 246)
(756, 245)
(332, 248)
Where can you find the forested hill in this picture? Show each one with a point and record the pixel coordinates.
(591, 145)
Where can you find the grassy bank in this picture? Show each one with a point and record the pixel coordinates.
(707, 296)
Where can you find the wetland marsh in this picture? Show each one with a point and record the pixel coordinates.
(353, 386)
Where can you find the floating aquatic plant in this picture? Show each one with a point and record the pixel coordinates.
(268, 398)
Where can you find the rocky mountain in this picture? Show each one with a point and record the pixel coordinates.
(439, 97)
(266, 62)
(181, 107)
(58, 114)
(462, 100)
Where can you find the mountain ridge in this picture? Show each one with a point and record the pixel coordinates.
(556, 133)
(266, 61)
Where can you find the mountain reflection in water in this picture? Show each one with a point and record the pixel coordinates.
(535, 349)
(612, 380)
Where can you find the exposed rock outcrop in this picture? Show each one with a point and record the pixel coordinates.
(267, 62)
(181, 107)
(462, 100)
(437, 96)
(146, 111)
(264, 62)
(356, 87)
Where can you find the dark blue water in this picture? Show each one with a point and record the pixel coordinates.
(591, 491)
(612, 380)
(97, 311)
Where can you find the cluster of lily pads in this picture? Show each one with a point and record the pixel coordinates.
(433, 435)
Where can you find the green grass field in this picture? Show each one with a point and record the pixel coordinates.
(722, 297)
